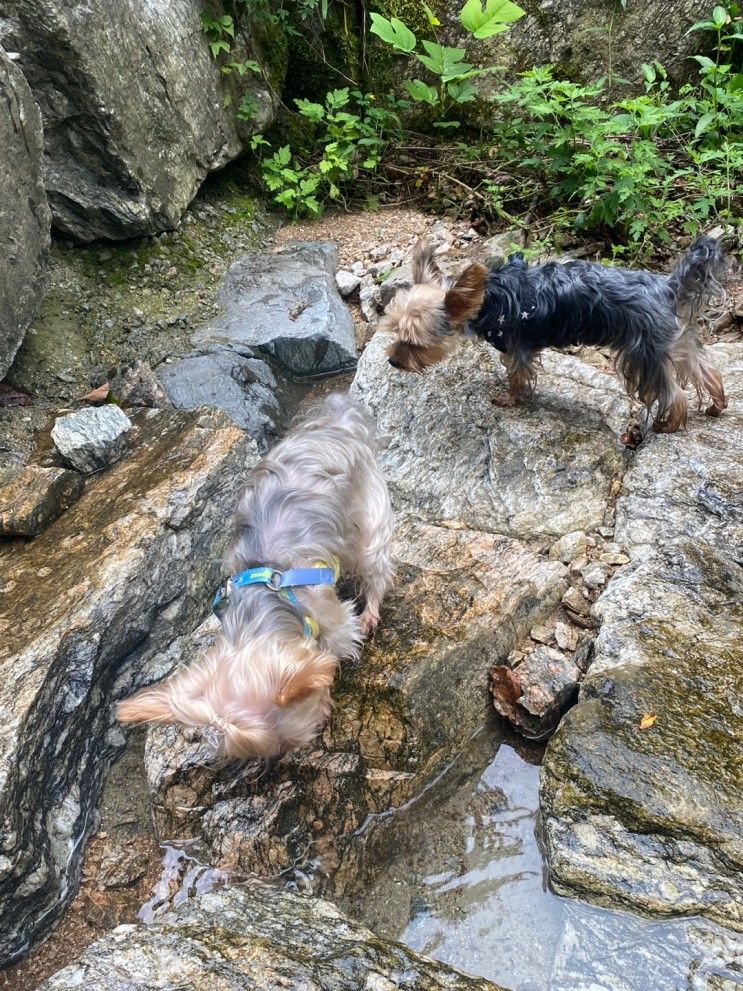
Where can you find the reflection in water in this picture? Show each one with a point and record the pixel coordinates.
(183, 876)
(462, 881)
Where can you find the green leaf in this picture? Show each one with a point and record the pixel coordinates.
(283, 156)
(393, 32)
(706, 63)
(703, 124)
(218, 46)
(462, 91)
(421, 92)
(719, 16)
(227, 25)
(446, 123)
(444, 61)
(312, 111)
(337, 98)
(496, 16)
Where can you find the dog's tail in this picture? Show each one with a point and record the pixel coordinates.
(698, 276)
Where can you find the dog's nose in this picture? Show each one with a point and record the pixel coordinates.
(395, 363)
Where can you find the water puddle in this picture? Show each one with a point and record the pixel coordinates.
(183, 876)
(459, 876)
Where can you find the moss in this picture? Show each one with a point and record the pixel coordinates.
(323, 60)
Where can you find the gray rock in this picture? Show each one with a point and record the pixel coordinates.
(32, 498)
(568, 548)
(576, 602)
(24, 214)
(255, 936)
(137, 385)
(460, 603)
(369, 298)
(647, 813)
(347, 282)
(84, 609)
(134, 109)
(92, 438)
(288, 306)
(595, 574)
(541, 469)
(533, 694)
(244, 387)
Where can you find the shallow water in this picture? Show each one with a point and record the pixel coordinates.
(463, 881)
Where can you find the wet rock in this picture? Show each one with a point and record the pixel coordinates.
(244, 387)
(542, 469)
(535, 693)
(288, 306)
(24, 214)
(255, 936)
(461, 601)
(645, 812)
(135, 111)
(568, 548)
(347, 282)
(31, 499)
(84, 609)
(137, 385)
(92, 438)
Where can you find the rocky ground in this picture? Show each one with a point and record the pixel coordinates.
(539, 561)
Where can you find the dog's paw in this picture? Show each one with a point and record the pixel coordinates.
(368, 621)
(713, 410)
(503, 399)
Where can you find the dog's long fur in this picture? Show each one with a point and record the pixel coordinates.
(264, 687)
(649, 320)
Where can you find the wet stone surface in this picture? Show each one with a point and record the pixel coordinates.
(642, 785)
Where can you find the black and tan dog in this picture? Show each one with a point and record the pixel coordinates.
(649, 320)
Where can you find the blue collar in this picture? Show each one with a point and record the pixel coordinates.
(282, 582)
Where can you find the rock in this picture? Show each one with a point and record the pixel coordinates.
(534, 694)
(461, 601)
(244, 387)
(24, 214)
(347, 282)
(255, 936)
(369, 299)
(137, 385)
(566, 636)
(576, 602)
(541, 469)
(92, 438)
(135, 110)
(84, 609)
(288, 306)
(31, 499)
(595, 574)
(568, 548)
(641, 813)
(542, 634)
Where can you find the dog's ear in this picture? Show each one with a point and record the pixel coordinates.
(425, 268)
(314, 672)
(465, 297)
(152, 705)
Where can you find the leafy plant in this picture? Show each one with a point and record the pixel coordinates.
(446, 63)
(219, 31)
(349, 143)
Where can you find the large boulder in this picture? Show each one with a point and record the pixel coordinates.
(84, 609)
(24, 214)
(641, 788)
(287, 305)
(135, 109)
(537, 471)
(461, 600)
(255, 936)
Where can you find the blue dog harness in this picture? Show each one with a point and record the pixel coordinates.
(282, 582)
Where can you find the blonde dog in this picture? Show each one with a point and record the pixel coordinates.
(317, 507)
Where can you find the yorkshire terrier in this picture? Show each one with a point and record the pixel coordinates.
(649, 320)
(316, 506)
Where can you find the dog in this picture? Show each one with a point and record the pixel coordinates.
(649, 320)
(316, 506)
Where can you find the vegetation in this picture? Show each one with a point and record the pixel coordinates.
(588, 158)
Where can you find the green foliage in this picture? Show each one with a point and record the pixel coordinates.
(446, 63)
(218, 31)
(351, 135)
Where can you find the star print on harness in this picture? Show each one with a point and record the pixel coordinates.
(317, 502)
(282, 582)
